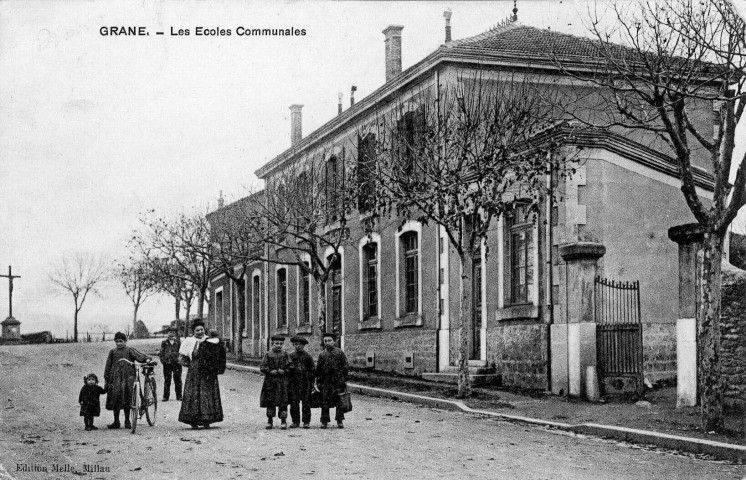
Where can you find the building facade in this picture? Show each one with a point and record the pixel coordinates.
(393, 296)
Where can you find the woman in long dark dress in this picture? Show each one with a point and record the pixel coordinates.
(200, 403)
(119, 377)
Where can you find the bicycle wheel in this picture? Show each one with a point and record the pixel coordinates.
(135, 405)
(151, 401)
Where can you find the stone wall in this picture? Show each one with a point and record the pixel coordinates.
(390, 349)
(659, 351)
(733, 339)
(519, 354)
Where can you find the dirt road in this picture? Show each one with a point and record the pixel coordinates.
(40, 431)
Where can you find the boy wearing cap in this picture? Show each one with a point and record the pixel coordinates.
(331, 379)
(276, 369)
(301, 382)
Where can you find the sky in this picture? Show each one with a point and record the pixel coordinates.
(97, 129)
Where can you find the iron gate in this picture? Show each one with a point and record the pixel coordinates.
(619, 336)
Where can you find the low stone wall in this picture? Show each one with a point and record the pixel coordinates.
(390, 349)
(733, 339)
(659, 351)
(519, 355)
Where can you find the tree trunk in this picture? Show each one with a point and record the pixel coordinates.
(464, 327)
(177, 312)
(321, 300)
(187, 311)
(708, 345)
(134, 318)
(201, 304)
(240, 315)
(75, 325)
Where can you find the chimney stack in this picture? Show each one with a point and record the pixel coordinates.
(353, 89)
(339, 104)
(221, 202)
(447, 16)
(393, 50)
(296, 124)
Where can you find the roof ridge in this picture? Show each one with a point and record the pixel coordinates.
(501, 27)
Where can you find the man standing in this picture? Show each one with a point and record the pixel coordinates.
(331, 379)
(169, 355)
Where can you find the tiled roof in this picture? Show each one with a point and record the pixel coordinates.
(524, 40)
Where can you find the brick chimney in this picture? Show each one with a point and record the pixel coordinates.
(353, 89)
(339, 104)
(447, 15)
(393, 50)
(296, 124)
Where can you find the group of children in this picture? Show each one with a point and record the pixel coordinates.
(293, 379)
(288, 380)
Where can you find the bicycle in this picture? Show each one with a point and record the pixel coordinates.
(144, 395)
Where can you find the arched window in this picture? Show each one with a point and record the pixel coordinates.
(282, 298)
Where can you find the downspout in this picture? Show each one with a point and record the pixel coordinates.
(437, 248)
(550, 270)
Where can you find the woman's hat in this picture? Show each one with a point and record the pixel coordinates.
(120, 336)
(278, 338)
(297, 339)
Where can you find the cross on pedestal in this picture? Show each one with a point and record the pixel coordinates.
(10, 278)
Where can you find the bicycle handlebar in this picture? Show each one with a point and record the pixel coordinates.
(151, 363)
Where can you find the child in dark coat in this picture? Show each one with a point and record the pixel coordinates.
(301, 382)
(276, 367)
(90, 406)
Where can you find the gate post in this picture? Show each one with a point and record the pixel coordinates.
(689, 237)
(574, 337)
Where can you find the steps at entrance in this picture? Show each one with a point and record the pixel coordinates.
(479, 374)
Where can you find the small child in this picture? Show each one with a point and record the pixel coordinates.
(276, 367)
(90, 405)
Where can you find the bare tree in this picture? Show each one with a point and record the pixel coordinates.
(301, 219)
(459, 158)
(235, 248)
(78, 274)
(138, 283)
(680, 59)
(178, 248)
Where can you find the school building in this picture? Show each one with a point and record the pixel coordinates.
(592, 281)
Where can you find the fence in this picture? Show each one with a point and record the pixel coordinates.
(617, 302)
(619, 335)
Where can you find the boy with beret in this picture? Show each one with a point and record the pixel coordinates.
(301, 382)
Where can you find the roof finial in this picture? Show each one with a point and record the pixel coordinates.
(515, 11)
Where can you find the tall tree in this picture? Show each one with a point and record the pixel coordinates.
(459, 157)
(138, 283)
(78, 274)
(234, 248)
(681, 60)
(301, 217)
(179, 248)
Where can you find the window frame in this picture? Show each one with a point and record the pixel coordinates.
(281, 298)
(524, 226)
(404, 317)
(365, 319)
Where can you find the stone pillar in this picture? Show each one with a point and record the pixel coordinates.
(689, 237)
(574, 337)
